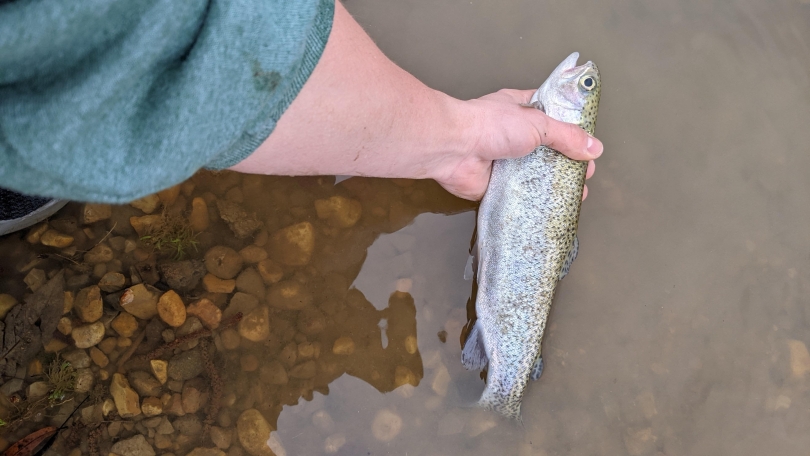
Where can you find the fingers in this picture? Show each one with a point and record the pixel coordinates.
(591, 169)
(567, 138)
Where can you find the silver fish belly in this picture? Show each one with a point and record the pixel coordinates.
(527, 225)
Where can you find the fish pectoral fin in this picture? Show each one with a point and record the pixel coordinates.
(474, 355)
(569, 259)
(471, 268)
(537, 368)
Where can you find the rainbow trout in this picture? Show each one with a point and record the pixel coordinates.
(526, 241)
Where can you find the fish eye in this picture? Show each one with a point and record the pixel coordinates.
(587, 83)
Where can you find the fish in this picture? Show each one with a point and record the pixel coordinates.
(525, 244)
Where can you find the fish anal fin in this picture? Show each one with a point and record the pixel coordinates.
(569, 258)
(474, 355)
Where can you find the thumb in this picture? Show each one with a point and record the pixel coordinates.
(568, 139)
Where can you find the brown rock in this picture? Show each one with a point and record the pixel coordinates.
(242, 223)
(65, 326)
(207, 312)
(311, 321)
(199, 218)
(147, 204)
(255, 326)
(249, 281)
(35, 233)
(139, 301)
(249, 362)
(339, 211)
(112, 282)
(799, 358)
(6, 303)
(88, 304)
(221, 437)
(182, 275)
(206, 452)
(99, 357)
(169, 195)
(126, 399)
(253, 254)
(273, 373)
(304, 370)
(240, 302)
(175, 405)
(270, 271)
(293, 245)
(92, 213)
(256, 435)
(88, 335)
(160, 370)
(214, 284)
(152, 406)
(230, 339)
(101, 253)
(171, 309)
(343, 346)
(53, 238)
(191, 398)
(35, 279)
(125, 324)
(146, 224)
(144, 383)
(403, 376)
(223, 262)
(289, 295)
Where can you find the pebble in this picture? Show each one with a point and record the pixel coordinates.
(191, 398)
(257, 436)
(411, 346)
(199, 217)
(241, 223)
(323, 421)
(799, 358)
(144, 383)
(271, 272)
(169, 195)
(147, 204)
(182, 275)
(53, 238)
(35, 367)
(139, 301)
(289, 295)
(88, 335)
(221, 437)
(223, 262)
(54, 345)
(38, 389)
(249, 281)
(6, 303)
(386, 426)
(214, 284)
(88, 304)
(293, 245)
(146, 224)
(208, 313)
(126, 399)
(152, 406)
(79, 359)
(93, 212)
(101, 253)
(273, 373)
(125, 325)
(35, 233)
(174, 406)
(171, 309)
(441, 380)
(200, 451)
(35, 279)
(160, 370)
(230, 339)
(188, 425)
(99, 357)
(112, 282)
(339, 211)
(108, 345)
(253, 254)
(404, 376)
(84, 381)
(311, 321)
(165, 427)
(114, 428)
(249, 362)
(334, 443)
(134, 446)
(186, 365)
(255, 325)
(343, 346)
(304, 370)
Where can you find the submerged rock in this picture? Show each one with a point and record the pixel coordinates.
(386, 426)
(134, 446)
(294, 244)
(223, 262)
(182, 275)
(126, 399)
(257, 436)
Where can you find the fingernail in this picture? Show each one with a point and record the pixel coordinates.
(595, 146)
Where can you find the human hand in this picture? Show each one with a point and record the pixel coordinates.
(498, 127)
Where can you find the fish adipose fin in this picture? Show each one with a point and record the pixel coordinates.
(474, 356)
(569, 259)
(537, 368)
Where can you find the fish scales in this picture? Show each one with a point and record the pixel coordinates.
(527, 225)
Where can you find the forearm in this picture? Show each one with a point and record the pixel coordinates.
(363, 115)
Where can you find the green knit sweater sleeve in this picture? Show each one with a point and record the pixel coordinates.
(110, 100)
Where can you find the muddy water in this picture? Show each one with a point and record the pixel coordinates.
(682, 328)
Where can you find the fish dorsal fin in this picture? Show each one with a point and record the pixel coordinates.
(569, 259)
(474, 355)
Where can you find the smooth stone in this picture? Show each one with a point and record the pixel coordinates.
(139, 301)
(271, 272)
(84, 381)
(441, 381)
(221, 437)
(249, 281)
(199, 219)
(169, 195)
(339, 211)
(241, 223)
(293, 245)
(257, 436)
(78, 359)
(146, 224)
(160, 369)
(386, 426)
(311, 321)
(171, 309)
(188, 425)
(94, 212)
(124, 324)
(343, 346)
(88, 304)
(112, 282)
(255, 325)
(186, 365)
(214, 284)
(223, 262)
(200, 451)
(37, 390)
(53, 238)
(6, 303)
(98, 357)
(289, 295)
(191, 398)
(35, 233)
(304, 370)
(208, 313)
(230, 339)
(334, 443)
(152, 406)
(126, 399)
(88, 335)
(147, 204)
(799, 358)
(144, 383)
(253, 254)
(101, 253)
(182, 275)
(134, 446)
(35, 279)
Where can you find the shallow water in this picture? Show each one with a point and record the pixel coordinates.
(683, 325)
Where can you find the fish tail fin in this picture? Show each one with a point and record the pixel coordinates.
(498, 402)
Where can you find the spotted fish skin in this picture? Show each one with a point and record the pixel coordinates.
(527, 226)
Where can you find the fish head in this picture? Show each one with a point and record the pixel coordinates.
(571, 93)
